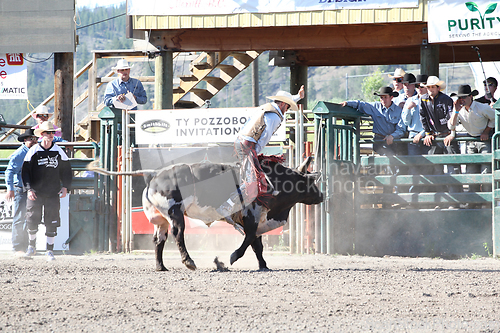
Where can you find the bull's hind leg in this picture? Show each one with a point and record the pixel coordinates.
(159, 238)
(258, 248)
(178, 226)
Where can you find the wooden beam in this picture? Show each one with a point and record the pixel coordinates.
(292, 38)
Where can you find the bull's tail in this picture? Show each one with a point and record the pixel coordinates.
(93, 166)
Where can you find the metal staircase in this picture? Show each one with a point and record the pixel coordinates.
(211, 72)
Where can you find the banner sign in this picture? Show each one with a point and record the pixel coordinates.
(13, 76)
(217, 7)
(456, 21)
(194, 126)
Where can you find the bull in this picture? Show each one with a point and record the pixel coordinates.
(197, 190)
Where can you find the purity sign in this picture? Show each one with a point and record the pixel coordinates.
(194, 126)
(13, 76)
(454, 21)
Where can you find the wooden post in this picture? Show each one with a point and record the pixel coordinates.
(298, 77)
(164, 77)
(255, 82)
(429, 59)
(63, 93)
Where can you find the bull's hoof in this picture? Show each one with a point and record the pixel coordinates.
(264, 269)
(190, 264)
(233, 258)
(161, 268)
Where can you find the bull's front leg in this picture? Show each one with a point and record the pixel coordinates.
(250, 227)
(178, 226)
(258, 249)
(159, 239)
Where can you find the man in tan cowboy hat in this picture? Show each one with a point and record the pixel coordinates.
(15, 190)
(116, 89)
(45, 167)
(479, 122)
(436, 109)
(252, 137)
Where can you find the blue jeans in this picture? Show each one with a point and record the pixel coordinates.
(19, 230)
(440, 148)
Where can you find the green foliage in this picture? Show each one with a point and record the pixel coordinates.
(370, 84)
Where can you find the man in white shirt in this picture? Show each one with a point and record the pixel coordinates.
(478, 119)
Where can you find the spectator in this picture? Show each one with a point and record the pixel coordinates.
(411, 119)
(116, 89)
(252, 138)
(490, 85)
(478, 120)
(15, 190)
(45, 168)
(397, 82)
(387, 124)
(42, 114)
(435, 110)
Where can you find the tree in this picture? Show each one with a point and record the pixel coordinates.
(370, 84)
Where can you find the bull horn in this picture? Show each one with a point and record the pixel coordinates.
(304, 165)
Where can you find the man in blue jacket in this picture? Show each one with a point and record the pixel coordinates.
(117, 89)
(16, 191)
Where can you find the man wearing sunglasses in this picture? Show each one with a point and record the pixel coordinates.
(252, 138)
(478, 120)
(490, 85)
(15, 190)
(45, 167)
(398, 83)
(42, 114)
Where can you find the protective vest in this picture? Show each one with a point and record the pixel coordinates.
(257, 125)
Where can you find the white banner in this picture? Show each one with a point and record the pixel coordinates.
(454, 21)
(13, 76)
(194, 126)
(216, 7)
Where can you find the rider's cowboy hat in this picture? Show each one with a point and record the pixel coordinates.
(46, 126)
(285, 97)
(434, 81)
(122, 64)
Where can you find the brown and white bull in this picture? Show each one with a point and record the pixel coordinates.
(197, 190)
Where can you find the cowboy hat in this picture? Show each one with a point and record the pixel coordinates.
(399, 72)
(409, 78)
(421, 78)
(285, 97)
(386, 91)
(42, 109)
(122, 64)
(465, 90)
(434, 81)
(28, 133)
(46, 126)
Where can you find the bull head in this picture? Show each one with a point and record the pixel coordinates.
(304, 165)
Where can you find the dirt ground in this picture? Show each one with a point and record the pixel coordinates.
(309, 293)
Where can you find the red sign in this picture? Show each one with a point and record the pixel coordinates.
(15, 59)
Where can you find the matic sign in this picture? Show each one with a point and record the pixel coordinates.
(13, 76)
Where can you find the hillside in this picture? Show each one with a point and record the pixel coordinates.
(97, 31)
